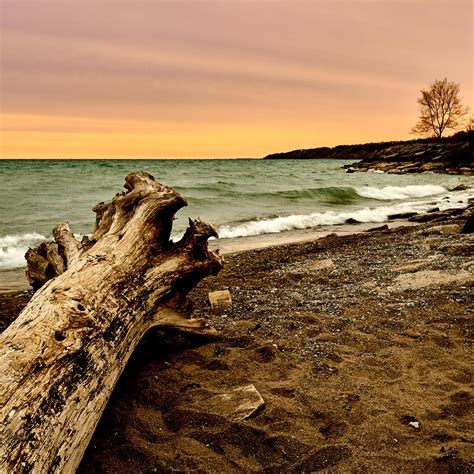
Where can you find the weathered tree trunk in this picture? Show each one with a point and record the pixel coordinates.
(60, 359)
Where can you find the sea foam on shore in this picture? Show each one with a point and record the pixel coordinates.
(13, 248)
(389, 193)
(454, 200)
(240, 198)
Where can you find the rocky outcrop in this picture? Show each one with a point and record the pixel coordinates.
(453, 155)
(419, 157)
(340, 152)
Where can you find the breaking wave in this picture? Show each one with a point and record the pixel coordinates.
(333, 194)
(304, 221)
(389, 193)
(329, 195)
(316, 219)
(14, 247)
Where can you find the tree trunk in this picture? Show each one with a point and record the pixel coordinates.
(60, 359)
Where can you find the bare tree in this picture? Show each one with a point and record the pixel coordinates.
(440, 109)
(470, 124)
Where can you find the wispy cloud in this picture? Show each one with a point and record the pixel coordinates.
(346, 68)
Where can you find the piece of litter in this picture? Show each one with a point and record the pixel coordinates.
(415, 424)
(238, 404)
(220, 299)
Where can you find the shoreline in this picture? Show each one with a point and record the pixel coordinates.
(357, 371)
(14, 279)
(449, 155)
(360, 346)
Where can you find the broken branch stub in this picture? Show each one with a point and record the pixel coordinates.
(60, 359)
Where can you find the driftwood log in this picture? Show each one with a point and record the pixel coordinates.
(60, 359)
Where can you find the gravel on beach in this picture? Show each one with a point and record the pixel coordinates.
(360, 346)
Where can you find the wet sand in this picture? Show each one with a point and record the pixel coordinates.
(15, 279)
(360, 345)
(242, 244)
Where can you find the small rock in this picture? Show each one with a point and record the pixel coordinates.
(318, 265)
(422, 279)
(379, 228)
(220, 299)
(466, 248)
(460, 187)
(441, 229)
(468, 226)
(415, 424)
(324, 266)
(239, 404)
(402, 215)
(430, 217)
(411, 265)
(432, 243)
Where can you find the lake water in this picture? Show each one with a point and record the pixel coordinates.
(239, 197)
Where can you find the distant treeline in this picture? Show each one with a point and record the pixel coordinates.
(365, 150)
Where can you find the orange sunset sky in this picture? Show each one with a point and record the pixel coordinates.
(144, 79)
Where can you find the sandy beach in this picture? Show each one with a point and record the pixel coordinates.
(360, 346)
(236, 237)
(14, 279)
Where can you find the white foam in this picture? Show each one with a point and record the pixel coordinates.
(14, 247)
(301, 221)
(389, 193)
(455, 200)
(375, 214)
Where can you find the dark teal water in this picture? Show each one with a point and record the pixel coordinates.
(240, 197)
